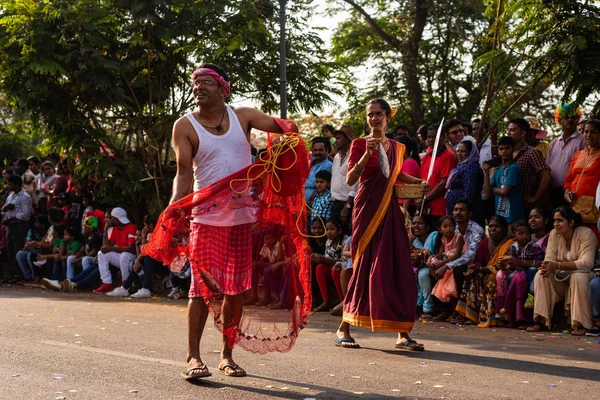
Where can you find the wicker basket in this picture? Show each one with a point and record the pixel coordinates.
(409, 191)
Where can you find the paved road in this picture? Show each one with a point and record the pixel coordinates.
(84, 346)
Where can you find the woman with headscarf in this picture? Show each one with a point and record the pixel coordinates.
(466, 180)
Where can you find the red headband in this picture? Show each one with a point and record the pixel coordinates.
(214, 74)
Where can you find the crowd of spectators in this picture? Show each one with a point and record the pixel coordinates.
(507, 232)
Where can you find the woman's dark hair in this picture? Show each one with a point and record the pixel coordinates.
(545, 213)
(56, 214)
(501, 221)
(567, 213)
(438, 238)
(411, 147)
(335, 221)
(59, 229)
(384, 104)
(521, 224)
(594, 122)
(468, 144)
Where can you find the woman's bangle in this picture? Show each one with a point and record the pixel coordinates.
(359, 169)
(558, 265)
(418, 181)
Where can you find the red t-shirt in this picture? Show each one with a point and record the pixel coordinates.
(444, 163)
(123, 237)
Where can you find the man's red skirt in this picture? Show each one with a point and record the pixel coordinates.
(226, 253)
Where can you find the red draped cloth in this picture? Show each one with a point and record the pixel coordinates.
(382, 293)
(273, 187)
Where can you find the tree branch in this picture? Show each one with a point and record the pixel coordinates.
(389, 39)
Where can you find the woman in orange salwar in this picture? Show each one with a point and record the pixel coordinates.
(382, 293)
(584, 171)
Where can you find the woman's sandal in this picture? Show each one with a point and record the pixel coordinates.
(536, 328)
(580, 331)
(410, 345)
(440, 317)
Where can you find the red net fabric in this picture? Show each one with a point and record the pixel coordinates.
(274, 188)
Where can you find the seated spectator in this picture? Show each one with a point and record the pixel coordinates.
(473, 234)
(595, 300)
(58, 251)
(92, 210)
(16, 214)
(524, 255)
(539, 218)
(477, 294)
(317, 246)
(120, 250)
(466, 180)
(326, 269)
(345, 274)
(583, 177)
(422, 246)
(90, 276)
(180, 282)
(505, 184)
(449, 246)
(272, 263)
(571, 247)
(73, 249)
(143, 267)
(32, 247)
(321, 201)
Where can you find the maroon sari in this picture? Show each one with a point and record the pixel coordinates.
(382, 293)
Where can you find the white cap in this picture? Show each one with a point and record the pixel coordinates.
(120, 214)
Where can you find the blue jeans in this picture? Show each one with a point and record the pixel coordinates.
(425, 287)
(90, 276)
(595, 298)
(25, 263)
(149, 267)
(59, 270)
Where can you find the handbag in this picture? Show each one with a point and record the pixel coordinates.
(562, 275)
(586, 205)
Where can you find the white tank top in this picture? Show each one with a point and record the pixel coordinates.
(219, 156)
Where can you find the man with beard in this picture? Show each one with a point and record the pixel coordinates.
(320, 150)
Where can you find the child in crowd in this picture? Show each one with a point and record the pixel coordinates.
(524, 254)
(58, 251)
(321, 198)
(422, 246)
(345, 269)
(73, 249)
(505, 183)
(180, 282)
(449, 245)
(272, 264)
(326, 263)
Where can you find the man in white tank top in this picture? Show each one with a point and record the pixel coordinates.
(211, 143)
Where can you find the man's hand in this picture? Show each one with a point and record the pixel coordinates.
(137, 266)
(316, 257)
(530, 200)
(344, 214)
(440, 272)
(212, 285)
(106, 249)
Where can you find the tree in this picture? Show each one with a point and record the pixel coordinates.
(114, 75)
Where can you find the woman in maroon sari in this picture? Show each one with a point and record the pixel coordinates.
(382, 293)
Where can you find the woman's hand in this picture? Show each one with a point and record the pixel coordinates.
(548, 267)
(372, 144)
(569, 197)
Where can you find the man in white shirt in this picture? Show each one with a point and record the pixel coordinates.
(16, 213)
(341, 193)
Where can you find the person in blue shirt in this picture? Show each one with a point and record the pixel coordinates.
(321, 147)
(505, 184)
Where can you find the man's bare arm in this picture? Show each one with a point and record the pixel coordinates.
(258, 120)
(182, 183)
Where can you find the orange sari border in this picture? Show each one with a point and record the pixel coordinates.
(377, 325)
(382, 208)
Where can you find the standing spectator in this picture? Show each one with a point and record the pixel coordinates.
(46, 184)
(445, 161)
(29, 182)
(342, 193)
(455, 133)
(16, 213)
(535, 174)
(535, 136)
(401, 130)
(61, 184)
(562, 149)
(320, 151)
(328, 132)
(583, 177)
(34, 168)
(466, 180)
(485, 150)
(505, 185)
(120, 250)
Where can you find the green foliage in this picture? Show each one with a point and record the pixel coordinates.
(106, 79)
